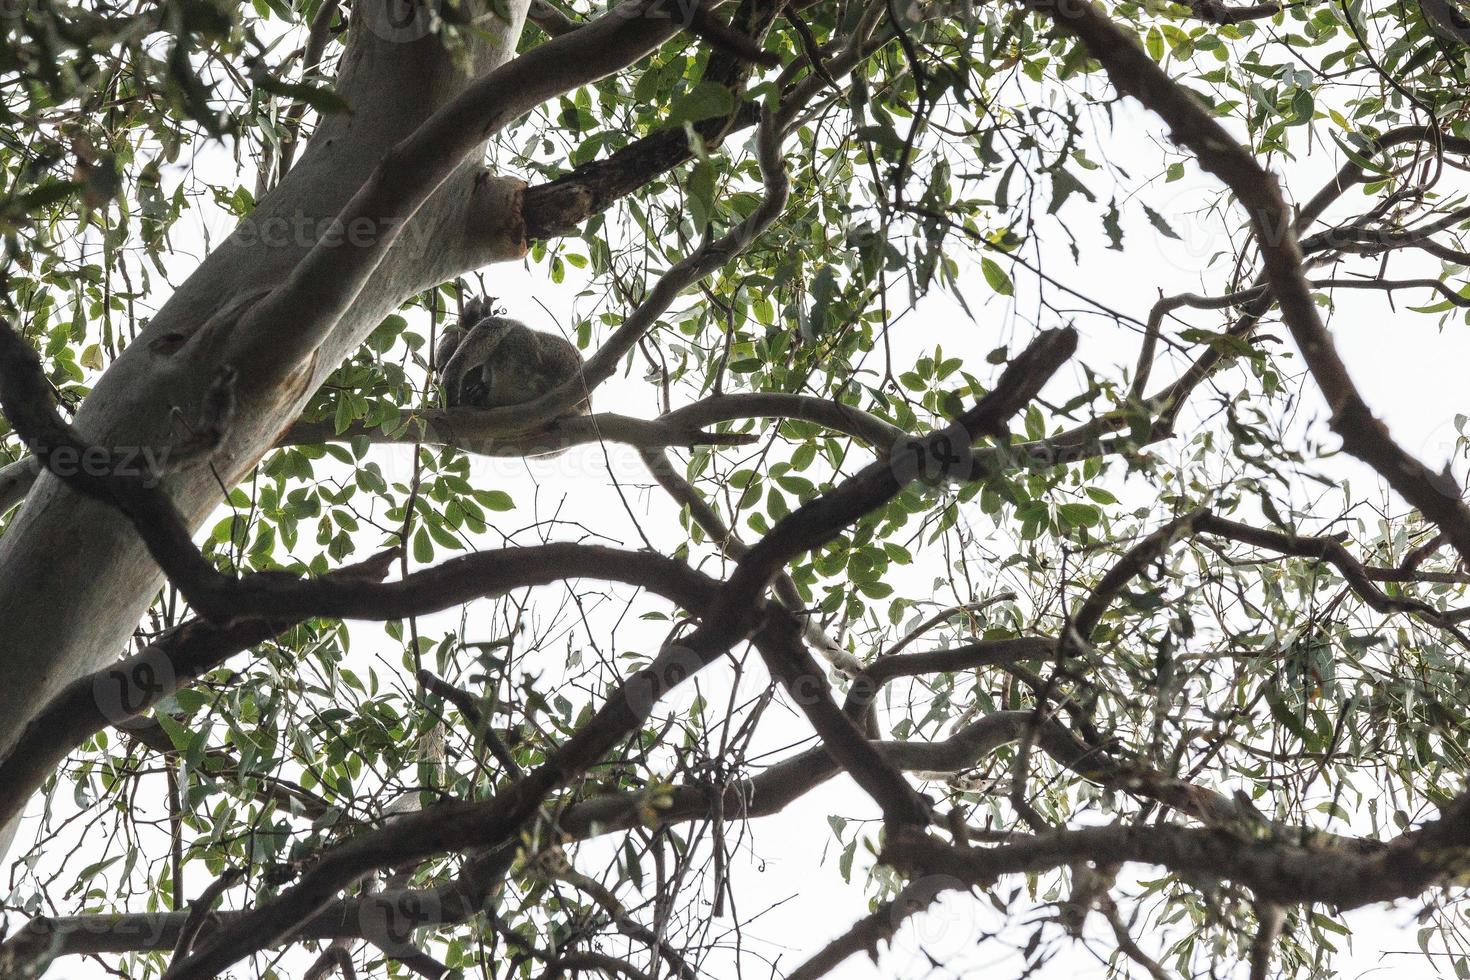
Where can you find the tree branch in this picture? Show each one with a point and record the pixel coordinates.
(475, 430)
(1133, 73)
(765, 794)
(706, 259)
(123, 690)
(733, 612)
(282, 329)
(1217, 12)
(730, 544)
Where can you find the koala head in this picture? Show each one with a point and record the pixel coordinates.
(476, 310)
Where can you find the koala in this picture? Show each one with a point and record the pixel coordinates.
(487, 361)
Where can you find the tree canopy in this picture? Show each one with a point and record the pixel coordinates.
(1077, 548)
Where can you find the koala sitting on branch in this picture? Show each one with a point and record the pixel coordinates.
(488, 361)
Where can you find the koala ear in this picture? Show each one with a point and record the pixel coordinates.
(474, 311)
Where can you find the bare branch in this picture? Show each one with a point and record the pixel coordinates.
(121, 691)
(943, 616)
(1217, 12)
(1270, 919)
(789, 662)
(1280, 871)
(490, 433)
(200, 909)
(880, 435)
(1130, 565)
(866, 935)
(1127, 944)
(765, 794)
(316, 45)
(469, 708)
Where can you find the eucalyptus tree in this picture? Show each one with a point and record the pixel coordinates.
(1111, 645)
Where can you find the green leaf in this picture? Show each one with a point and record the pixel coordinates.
(1286, 716)
(321, 98)
(996, 277)
(705, 101)
(1064, 185)
(1080, 515)
(182, 737)
(1157, 220)
(1112, 227)
(1154, 43)
(701, 193)
(496, 500)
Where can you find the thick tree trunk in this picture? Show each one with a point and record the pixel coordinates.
(74, 578)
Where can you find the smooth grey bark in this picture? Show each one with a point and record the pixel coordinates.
(74, 578)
